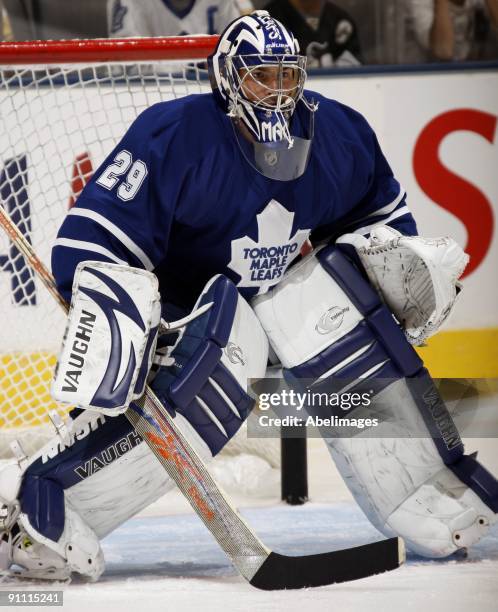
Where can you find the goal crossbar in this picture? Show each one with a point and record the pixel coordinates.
(49, 52)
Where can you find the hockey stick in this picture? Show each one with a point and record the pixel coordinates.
(260, 566)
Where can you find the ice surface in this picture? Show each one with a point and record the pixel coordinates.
(166, 560)
(173, 563)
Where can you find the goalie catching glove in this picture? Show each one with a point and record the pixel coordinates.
(417, 277)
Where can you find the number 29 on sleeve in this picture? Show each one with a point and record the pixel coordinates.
(122, 165)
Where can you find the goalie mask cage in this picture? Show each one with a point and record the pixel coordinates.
(64, 105)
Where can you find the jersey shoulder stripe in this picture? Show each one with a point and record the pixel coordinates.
(115, 231)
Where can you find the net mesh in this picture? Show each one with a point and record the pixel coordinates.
(57, 123)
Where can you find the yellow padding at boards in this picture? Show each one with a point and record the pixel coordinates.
(468, 353)
(25, 378)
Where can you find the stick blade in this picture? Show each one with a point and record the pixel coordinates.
(283, 572)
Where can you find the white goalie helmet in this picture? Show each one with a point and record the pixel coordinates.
(257, 76)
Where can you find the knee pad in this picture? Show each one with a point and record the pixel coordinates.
(330, 330)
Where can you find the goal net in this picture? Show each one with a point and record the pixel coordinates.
(63, 107)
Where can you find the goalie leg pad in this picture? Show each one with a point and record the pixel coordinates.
(326, 323)
(73, 493)
(216, 354)
(96, 442)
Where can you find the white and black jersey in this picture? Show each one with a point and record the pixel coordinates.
(327, 40)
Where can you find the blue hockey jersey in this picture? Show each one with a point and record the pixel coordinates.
(177, 196)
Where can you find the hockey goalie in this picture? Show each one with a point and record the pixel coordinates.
(194, 225)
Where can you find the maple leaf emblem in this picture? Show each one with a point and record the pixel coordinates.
(263, 263)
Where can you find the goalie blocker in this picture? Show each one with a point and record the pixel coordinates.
(110, 337)
(330, 329)
(97, 472)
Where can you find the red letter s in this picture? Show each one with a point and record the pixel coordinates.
(450, 191)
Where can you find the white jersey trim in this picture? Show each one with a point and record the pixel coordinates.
(385, 210)
(88, 246)
(388, 208)
(118, 233)
(368, 228)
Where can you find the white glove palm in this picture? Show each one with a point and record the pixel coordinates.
(416, 277)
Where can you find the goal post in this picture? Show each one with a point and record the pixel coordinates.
(64, 105)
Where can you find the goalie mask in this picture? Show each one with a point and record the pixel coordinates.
(257, 76)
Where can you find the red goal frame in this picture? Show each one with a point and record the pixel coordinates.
(106, 50)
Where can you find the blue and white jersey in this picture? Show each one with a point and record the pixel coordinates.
(177, 196)
(167, 18)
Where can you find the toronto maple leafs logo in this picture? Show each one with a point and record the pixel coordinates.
(262, 264)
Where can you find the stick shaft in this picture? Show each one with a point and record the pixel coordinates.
(36, 264)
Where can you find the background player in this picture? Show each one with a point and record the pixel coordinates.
(174, 18)
(327, 34)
